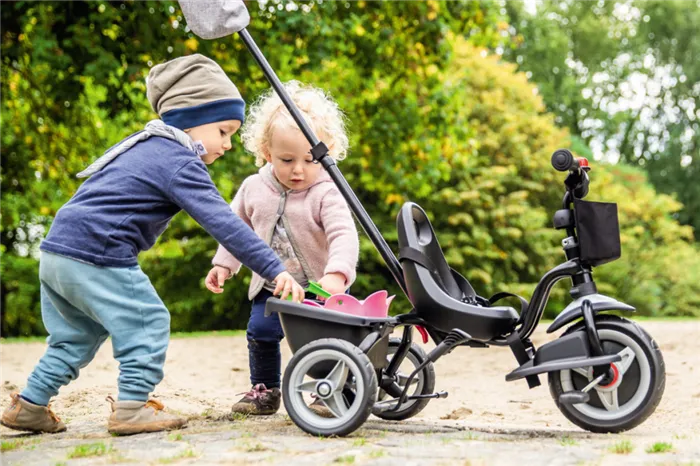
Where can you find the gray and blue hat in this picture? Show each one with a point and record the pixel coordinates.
(192, 91)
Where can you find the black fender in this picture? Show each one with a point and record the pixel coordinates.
(599, 303)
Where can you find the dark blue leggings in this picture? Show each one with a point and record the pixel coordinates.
(264, 336)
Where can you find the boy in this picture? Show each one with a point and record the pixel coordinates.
(91, 284)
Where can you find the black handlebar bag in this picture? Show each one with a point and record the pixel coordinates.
(598, 231)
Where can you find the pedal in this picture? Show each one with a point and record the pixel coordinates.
(574, 397)
(442, 394)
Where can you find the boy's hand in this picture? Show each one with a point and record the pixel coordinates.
(334, 283)
(216, 278)
(285, 285)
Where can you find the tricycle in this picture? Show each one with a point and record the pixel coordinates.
(605, 373)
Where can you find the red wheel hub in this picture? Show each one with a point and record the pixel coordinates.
(616, 376)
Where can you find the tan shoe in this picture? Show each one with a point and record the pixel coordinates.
(136, 417)
(23, 415)
(320, 409)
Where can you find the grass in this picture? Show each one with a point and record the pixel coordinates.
(377, 454)
(567, 441)
(214, 333)
(34, 339)
(207, 413)
(623, 447)
(238, 416)
(175, 437)
(255, 447)
(189, 453)
(359, 442)
(660, 447)
(10, 445)
(347, 459)
(470, 436)
(238, 333)
(89, 450)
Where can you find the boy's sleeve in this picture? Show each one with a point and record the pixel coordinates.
(223, 257)
(192, 189)
(343, 241)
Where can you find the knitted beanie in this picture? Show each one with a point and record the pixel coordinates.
(192, 91)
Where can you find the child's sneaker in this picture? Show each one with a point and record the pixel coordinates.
(259, 401)
(136, 417)
(23, 415)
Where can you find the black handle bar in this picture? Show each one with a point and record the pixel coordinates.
(563, 160)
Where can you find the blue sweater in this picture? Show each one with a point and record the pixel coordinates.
(123, 209)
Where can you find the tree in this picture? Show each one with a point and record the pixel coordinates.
(622, 76)
(434, 117)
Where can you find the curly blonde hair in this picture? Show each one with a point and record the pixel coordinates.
(318, 109)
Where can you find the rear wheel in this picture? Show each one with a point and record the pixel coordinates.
(633, 393)
(423, 383)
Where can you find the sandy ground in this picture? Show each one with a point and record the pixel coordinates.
(203, 376)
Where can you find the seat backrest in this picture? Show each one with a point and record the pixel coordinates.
(416, 232)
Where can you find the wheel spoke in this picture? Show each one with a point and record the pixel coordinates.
(628, 357)
(336, 404)
(338, 375)
(609, 399)
(306, 387)
(584, 371)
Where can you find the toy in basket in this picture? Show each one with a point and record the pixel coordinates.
(375, 305)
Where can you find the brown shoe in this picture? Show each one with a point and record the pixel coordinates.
(319, 408)
(23, 415)
(136, 417)
(259, 401)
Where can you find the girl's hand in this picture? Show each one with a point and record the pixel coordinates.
(285, 285)
(334, 283)
(216, 278)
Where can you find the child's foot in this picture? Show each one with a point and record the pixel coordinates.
(23, 415)
(136, 417)
(319, 408)
(259, 401)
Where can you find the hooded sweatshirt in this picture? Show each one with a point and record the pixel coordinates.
(317, 222)
(124, 207)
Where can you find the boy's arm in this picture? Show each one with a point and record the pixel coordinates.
(192, 189)
(222, 257)
(343, 241)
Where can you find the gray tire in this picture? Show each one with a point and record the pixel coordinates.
(347, 386)
(636, 390)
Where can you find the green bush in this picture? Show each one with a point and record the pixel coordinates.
(434, 116)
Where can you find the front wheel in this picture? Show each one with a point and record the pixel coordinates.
(336, 374)
(635, 390)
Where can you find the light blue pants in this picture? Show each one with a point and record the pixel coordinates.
(83, 304)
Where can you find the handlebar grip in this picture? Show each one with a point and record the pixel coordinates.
(563, 160)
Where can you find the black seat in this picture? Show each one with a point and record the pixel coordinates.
(441, 296)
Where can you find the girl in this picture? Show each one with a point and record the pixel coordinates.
(294, 206)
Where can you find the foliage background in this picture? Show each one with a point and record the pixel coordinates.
(436, 112)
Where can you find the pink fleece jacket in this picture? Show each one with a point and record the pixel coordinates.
(317, 220)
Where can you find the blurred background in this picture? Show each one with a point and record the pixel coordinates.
(454, 105)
